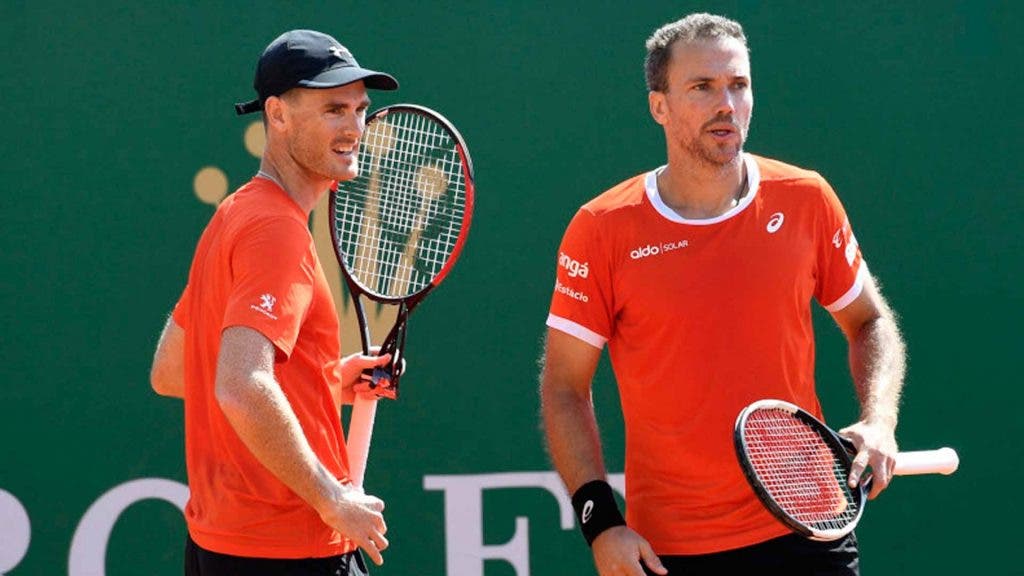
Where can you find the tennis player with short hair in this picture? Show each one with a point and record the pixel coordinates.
(253, 345)
(699, 276)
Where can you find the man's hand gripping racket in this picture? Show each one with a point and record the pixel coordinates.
(799, 468)
(397, 231)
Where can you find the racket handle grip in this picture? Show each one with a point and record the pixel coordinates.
(941, 461)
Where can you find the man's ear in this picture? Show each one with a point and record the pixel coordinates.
(275, 111)
(658, 106)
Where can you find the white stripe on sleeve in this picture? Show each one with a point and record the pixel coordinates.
(573, 329)
(853, 292)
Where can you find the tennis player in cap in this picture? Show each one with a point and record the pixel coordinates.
(252, 345)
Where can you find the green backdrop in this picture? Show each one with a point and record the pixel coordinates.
(110, 109)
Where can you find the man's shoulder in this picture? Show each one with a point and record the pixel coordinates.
(626, 194)
(256, 214)
(777, 172)
(260, 201)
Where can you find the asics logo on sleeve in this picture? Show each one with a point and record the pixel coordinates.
(851, 250)
(844, 233)
(775, 223)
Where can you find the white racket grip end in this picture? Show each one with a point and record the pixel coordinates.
(360, 432)
(941, 461)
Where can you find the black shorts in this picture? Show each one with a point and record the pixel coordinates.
(201, 562)
(792, 555)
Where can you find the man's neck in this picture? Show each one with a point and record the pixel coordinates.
(699, 190)
(305, 189)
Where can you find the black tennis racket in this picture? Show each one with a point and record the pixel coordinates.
(397, 230)
(799, 468)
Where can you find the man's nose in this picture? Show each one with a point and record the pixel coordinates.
(726, 104)
(353, 125)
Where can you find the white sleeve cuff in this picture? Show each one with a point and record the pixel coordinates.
(573, 329)
(853, 292)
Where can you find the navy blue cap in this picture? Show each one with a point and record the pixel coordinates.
(308, 59)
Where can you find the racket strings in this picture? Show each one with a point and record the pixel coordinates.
(400, 220)
(799, 470)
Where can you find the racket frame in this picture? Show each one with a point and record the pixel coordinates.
(394, 342)
(467, 162)
(839, 446)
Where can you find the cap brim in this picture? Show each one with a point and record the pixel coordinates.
(349, 74)
(332, 79)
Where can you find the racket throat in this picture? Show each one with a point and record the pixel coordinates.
(384, 379)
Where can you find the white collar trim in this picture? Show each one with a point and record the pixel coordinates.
(753, 184)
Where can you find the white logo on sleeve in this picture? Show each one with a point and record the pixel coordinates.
(574, 294)
(837, 240)
(775, 223)
(851, 250)
(588, 510)
(267, 302)
(574, 267)
(266, 307)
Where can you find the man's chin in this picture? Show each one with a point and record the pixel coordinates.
(722, 159)
(721, 156)
(728, 154)
(346, 174)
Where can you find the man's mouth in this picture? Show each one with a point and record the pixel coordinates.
(345, 150)
(722, 130)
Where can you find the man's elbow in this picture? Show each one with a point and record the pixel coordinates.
(167, 374)
(231, 394)
(559, 395)
(165, 383)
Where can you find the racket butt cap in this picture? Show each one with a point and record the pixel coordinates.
(951, 460)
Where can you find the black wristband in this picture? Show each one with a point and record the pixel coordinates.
(596, 509)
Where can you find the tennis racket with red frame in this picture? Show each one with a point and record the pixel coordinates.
(397, 230)
(799, 468)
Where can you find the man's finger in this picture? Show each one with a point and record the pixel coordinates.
(371, 550)
(860, 463)
(651, 559)
(376, 360)
(879, 480)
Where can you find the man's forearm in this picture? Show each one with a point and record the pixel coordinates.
(878, 366)
(261, 416)
(572, 437)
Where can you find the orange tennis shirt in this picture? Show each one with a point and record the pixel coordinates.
(256, 266)
(702, 317)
